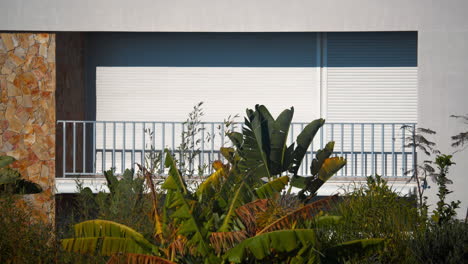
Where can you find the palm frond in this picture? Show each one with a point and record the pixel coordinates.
(223, 241)
(248, 212)
(305, 212)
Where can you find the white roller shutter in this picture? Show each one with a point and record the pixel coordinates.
(228, 72)
(169, 93)
(371, 77)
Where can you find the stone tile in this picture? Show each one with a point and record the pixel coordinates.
(43, 50)
(13, 90)
(42, 38)
(8, 41)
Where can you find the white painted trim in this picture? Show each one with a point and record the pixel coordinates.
(68, 185)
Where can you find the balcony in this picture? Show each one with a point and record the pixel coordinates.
(88, 148)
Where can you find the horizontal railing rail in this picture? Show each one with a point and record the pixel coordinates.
(88, 148)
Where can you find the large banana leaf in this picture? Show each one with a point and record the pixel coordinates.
(273, 187)
(176, 199)
(321, 156)
(239, 198)
(276, 242)
(212, 183)
(329, 167)
(278, 134)
(303, 142)
(107, 238)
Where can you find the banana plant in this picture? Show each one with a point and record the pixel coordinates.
(212, 225)
(264, 153)
(11, 181)
(219, 222)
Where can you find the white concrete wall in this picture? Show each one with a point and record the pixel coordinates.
(442, 31)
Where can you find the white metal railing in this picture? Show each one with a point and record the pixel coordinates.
(90, 147)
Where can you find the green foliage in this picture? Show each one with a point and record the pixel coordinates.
(372, 211)
(107, 237)
(440, 244)
(444, 212)
(11, 182)
(264, 153)
(127, 202)
(24, 239)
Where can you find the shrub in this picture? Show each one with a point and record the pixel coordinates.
(376, 211)
(447, 243)
(23, 238)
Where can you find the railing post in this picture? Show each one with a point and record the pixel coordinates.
(372, 151)
(84, 146)
(123, 145)
(64, 148)
(104, 148)
(74, 147)
(414, 150)
(403, 156)
(352, 150)
(394, 161)
(113, 146)
(363, 174)
(382, 166)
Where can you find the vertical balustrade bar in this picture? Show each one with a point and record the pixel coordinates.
(382, 166)
(84, 146)
(124, 138)
(202, 158)
(394, 164)
(104, 148)
(403, 154)
(352, 152)
(332, 128)
(94, 148)
(363, 174)
(372, 151)
(173, 137)
(321, 137)
(113, 145)
(222, 140)
(342, 146)
(306, 157)
(163, 144)
(64, 148)
(143, 143)
(291, 135)
(212, 143)
(153, 140)
(133, 145)
(413, 150)
(74, 147)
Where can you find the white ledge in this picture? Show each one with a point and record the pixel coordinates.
(69, 185)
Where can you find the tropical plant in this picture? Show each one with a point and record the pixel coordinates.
(11, 181)
(236, 214)
(440, 244)
(460, 139)
(418, 140)
(264, 153)
(375, 210)
(444, 212)
(211, 225)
